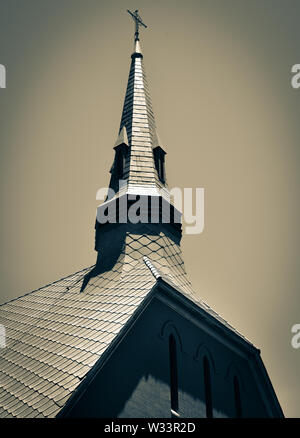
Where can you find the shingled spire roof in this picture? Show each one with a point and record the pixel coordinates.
(138, 127)
(138, 118)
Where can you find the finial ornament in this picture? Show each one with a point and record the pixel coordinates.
(138, 22)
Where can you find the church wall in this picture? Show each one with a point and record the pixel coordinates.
(134, 382)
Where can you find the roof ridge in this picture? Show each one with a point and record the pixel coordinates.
(155, 272)
(192, 296)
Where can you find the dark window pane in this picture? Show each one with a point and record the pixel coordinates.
(173, 373)
(237, 397)
(207, 388)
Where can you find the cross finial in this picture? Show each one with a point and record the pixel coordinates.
(138, 22)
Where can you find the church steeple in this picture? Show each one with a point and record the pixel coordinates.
(142, 165)
(138, 180)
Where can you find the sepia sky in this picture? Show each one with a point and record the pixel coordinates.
(219, 76)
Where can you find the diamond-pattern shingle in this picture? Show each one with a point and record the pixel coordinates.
(57, 333)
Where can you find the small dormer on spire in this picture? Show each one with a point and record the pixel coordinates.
(121, 153)
(122, 138)
(159, 158)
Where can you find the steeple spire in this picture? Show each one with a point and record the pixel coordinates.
(137, 219)
(143, 165)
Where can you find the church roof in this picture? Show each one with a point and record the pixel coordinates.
(57, 333)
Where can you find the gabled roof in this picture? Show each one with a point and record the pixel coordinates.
(56, 334)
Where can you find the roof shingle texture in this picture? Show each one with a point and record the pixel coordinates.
(57, 333)
(138, 119)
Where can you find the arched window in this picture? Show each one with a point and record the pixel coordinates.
(207, 388)
(173, 373)
(237, 397)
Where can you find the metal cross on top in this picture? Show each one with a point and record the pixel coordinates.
(138, 22)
